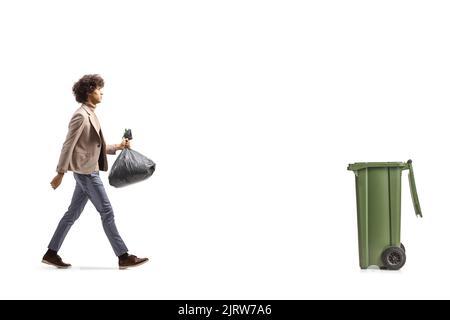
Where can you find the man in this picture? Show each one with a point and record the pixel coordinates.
(84, 153)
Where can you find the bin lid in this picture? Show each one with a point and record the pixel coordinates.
(363, 165)
(402, 165)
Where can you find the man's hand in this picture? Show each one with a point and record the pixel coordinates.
(125, 144)
(57, 180)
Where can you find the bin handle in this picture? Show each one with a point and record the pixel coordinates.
(412, 188)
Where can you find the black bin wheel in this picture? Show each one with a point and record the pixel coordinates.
(403, 247)
(393, 258)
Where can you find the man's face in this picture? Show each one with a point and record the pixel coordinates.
(96, 96)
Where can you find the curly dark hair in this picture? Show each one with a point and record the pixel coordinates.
(86, 85)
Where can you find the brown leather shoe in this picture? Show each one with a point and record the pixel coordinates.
(131, 261)
(55, 261)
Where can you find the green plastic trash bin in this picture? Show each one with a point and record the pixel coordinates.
(378, 200)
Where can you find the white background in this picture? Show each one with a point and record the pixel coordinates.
(252, 111)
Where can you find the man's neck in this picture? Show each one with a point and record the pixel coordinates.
(90, 104)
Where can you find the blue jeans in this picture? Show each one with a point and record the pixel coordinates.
(89, 187)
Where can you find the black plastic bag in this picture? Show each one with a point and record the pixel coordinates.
(130, 167)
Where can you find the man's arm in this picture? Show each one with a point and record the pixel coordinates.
(74, 133)
(112, 148)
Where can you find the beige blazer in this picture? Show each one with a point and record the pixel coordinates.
(85, 147)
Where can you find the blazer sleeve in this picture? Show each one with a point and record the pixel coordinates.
(76, 126)
(111, 149)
